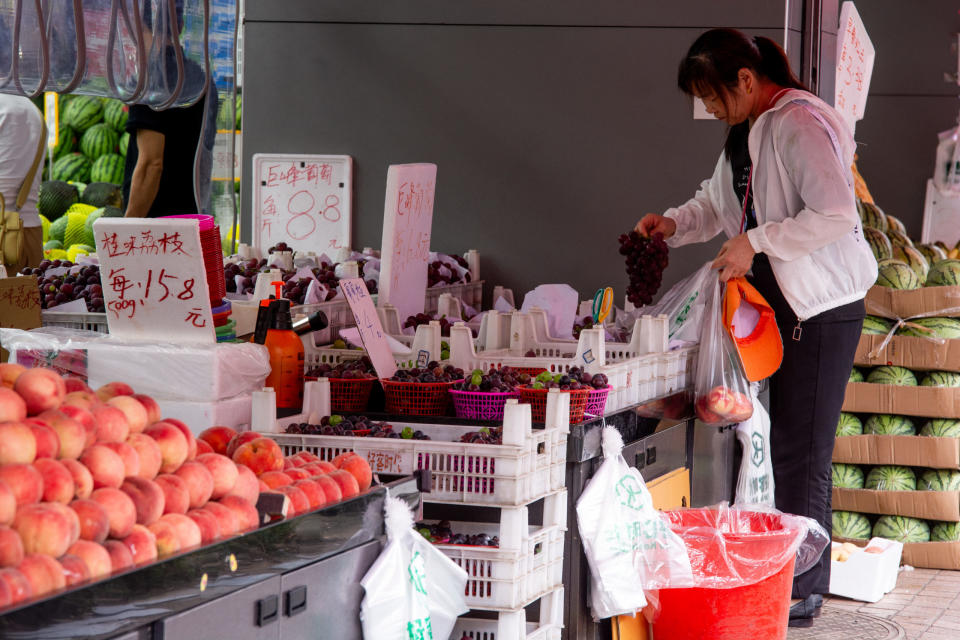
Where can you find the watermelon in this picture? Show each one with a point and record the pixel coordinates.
(899, 238)
(943, 379)
(82, 112)
(115, 114)
(849, 524)
(941, 428)
(125, 141)
(847, 476)
(932, 252)
(98, 140)
(879, 243)
(72, 167)
(884, 424)
(895, 274)
(102, 194)
(66, 141)
(873, 325)
(855, 375)
(945, 273)
(872, 216)
(849, 425)
(946, 328)
(902, 529)
(895, 224)
(913, 259)
(887, 477)
(939, 480)
(108, 168)
(945, 532)
(891, 374)
(55, 197)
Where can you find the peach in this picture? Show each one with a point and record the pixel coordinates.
(218, 438)
(315, 494)
(8, 503)
(75, 569)
(288, 464)
(301, 504)
(173, 445)
(6, 595)
(321, 468)
(129, 455)
(11, 547)
(274, 479)
(17, 443)
(338, 461)
(9, 372)
(224, 472)
(241, 439)
(71, 433)
(73, 383)
(188, 532)
(94, 520)
(42, 572)
(305, 457)
(297, 474)
(331, 488)
(208, 523)
(85, 418)
(113, 389)
(105, 465)
(58, 484)
(359, 468)
(226, 517)
(82, 478)
(17, 583)
(245, 510)
(25, 482)
(191, 440)
(94, 555)
(176, 495)
(247, 485)
(150, 406)
(73, 521)
(120, 556)
(263, 486)
(134, 412)
(12, 406)
(167, 541)
(121, 512)
(148, 451)
(147, 497)
(142, 544)
(81, 399)
(348, 484)
(41, 389)
(199, 482)
(111, 424)
(261, 455)
(48, 442)
(203, 447)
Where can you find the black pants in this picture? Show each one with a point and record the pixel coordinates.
(806, 394)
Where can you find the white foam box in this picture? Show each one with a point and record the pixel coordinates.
(867, 576)
(232, 412)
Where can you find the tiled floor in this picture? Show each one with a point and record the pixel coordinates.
(926, 603)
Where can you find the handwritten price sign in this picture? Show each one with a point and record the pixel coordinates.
(855, 56)
(407, 222)
(303, 200)
(154, 281)
(368, 323)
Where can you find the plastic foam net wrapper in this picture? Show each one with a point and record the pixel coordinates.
(196, 373)
(412, 591)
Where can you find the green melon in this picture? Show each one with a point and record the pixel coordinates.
(945, 532)
(873, 325)
(879, 243)
(884, 424)
(76, 231)
(849, 425)
(941, 428)
(895, 274)
(939, 480)
(102, 212)
(899, 238)
(913, 259)
(872, 216)
(892, 374)
(932, 252)
(902, 528)
(895, 224)
(847, 476)
(66, 141)
(108, 168)
(55, 197)
(943, 379)
(102, 194)
(57, 228)
(82, 112)
(888, 477)
(855, 375)
(945, 273)
(52, 244)
(849, 524)
(946, 328)
(99, 140)
(124, 143)
(73, 167)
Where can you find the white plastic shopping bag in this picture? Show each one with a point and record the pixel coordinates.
(755, 483)
(628, 544)
(412, 591)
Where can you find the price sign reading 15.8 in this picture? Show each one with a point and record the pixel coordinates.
(154, 281)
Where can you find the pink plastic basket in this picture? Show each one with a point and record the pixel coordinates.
(481, 405)
(596, 402)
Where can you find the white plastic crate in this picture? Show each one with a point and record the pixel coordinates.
(470, 293)
(527, 565)
(424, 347)
(527, 466)
(88, 321)
(513, 625)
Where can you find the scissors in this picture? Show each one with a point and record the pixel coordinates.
(602, 303)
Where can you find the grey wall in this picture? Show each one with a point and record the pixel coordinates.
(555, 124)
(909, 101)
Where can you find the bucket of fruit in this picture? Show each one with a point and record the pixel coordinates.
(535, 394)
(350, 383)
(482, 396)
(421, 392)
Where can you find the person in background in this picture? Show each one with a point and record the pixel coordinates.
(782, 192)
(22, 133)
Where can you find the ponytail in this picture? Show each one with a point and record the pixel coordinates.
(774, 64)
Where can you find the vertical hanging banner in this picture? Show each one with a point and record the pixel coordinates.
(855, 56)
(368, 323)
(154, 280)
(405, 248)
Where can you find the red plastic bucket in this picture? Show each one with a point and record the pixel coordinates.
(757, 611)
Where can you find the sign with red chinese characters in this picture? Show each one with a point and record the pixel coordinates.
(368, 323)
(19, 304)
(855, 55)
(405, 249)
(302, 200)
(154, 281)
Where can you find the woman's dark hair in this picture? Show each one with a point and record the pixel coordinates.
(713, 63)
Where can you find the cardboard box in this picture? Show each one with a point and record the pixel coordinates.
(907, 451)
(867, 576)
(19, 305)
(926, 505)
(920, 354)
(864, 397)
(925, 555)
(895, 303)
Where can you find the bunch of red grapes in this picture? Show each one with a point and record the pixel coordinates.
(646, 259)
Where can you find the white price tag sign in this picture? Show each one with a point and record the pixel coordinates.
(855, 56)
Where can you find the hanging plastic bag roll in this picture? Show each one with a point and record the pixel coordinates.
(755, 482)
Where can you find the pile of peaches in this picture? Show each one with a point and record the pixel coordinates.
(94, 482)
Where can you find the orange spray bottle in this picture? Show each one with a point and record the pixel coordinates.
(286, 356)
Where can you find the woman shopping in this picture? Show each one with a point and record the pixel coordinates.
(782, 193)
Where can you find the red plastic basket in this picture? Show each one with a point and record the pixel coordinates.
(532, 371)
(417, 398)
(597, 401)
(537, 398)
(350, 394)
(481, 405)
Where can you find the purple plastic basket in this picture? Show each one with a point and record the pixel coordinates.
(481, 405)
(597, 401)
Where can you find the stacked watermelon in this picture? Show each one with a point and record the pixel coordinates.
(92, 141)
